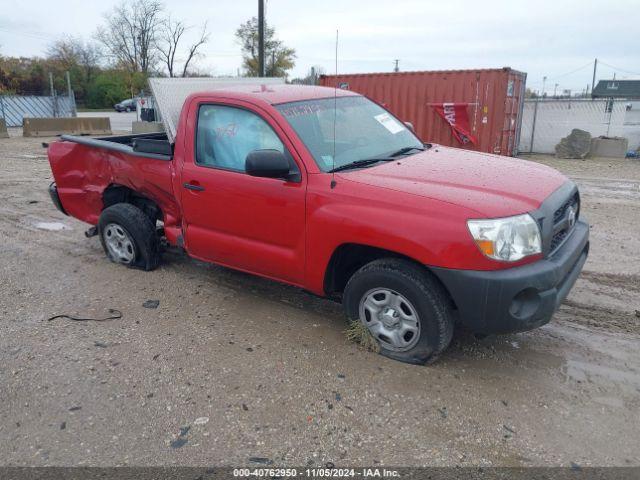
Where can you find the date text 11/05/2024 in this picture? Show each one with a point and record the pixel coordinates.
(316, 472)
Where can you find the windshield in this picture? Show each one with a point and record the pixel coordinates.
(363, 130)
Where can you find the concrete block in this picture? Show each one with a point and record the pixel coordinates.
(3, 129)
(613, 147)
(574, 145)
(51, 127)
(147, 127)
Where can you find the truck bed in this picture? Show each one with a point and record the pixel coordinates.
(84, 168)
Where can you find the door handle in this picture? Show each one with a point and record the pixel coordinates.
(191, 186)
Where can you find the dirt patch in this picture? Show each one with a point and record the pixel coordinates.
(270, 368)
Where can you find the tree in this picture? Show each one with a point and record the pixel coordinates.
(169, 42)
(278, 58)
(113, 86)
(130, 34)
(78, 57)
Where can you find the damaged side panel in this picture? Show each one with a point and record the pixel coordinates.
(83, 173)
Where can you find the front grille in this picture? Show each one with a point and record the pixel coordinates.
(558, 215)
(557, 239)
(560, 226)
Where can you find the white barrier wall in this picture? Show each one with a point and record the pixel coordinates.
(545, 122)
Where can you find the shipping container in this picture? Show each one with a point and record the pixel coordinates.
(494, 99)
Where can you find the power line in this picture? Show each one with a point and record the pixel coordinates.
(37, 36)
(572, 71)
(619, 69)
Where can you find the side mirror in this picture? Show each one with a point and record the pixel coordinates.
(409, 125)
(267, 163)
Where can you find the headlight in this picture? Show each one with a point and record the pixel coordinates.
(507, 239)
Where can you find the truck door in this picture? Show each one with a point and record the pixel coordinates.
(244, 222)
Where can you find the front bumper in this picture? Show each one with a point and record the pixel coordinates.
(521, 298)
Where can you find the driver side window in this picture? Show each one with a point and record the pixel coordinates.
(226, 135)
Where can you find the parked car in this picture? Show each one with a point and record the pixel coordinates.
(328, 191)
(126, 105)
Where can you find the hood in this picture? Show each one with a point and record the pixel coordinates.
(491, 185)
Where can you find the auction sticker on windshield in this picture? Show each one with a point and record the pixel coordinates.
(389, 123)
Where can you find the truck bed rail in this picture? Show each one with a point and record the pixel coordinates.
(129, 144)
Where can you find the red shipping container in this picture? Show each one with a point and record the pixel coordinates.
(494, 99)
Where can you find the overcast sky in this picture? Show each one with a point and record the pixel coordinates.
(554, 38)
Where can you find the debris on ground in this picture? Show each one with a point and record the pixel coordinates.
(180, 440)
(113, 315)
(151, 304)
(201, 421)
(576, 145)
(356, 332)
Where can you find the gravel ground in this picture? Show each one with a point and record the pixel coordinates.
(231, 369)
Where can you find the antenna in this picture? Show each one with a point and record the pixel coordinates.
(335, 110)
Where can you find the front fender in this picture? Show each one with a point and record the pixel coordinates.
(425, 230)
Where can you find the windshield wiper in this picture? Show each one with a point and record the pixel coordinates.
(360, 163)
(405, 150)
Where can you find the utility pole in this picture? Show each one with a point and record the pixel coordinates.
(261, 38)
(273, 63)
(544, 80)
(396, 68)
(70, 96)
(54, 100)
(595, 67)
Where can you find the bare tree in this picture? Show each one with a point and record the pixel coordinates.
(89, 56)
(72, 52)
(130, 34)
(193, 49)
(169, 42)
(65, 52)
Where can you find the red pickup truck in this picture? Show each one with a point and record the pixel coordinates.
(328, 191)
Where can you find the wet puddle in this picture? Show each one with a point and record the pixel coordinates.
(51, 226)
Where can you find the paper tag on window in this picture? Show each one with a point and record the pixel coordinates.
(389, 123)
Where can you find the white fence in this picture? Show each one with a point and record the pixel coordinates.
(545, 122)
(13, 108)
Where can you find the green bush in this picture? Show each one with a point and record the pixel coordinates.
(107, 89)
(112, 86)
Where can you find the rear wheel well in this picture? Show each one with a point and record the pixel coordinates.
(120, 194)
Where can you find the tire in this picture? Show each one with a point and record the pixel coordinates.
(129, 237)
(413, 297)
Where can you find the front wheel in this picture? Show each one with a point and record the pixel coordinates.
(129, 237)
(403, 307)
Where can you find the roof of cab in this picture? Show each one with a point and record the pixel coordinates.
(275, 94)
